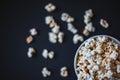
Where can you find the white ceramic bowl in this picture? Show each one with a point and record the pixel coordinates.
(75, 58)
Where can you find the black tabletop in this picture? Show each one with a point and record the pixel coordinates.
(18, 16)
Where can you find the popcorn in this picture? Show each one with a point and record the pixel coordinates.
(116, 46)
(53, 24)
(70, 19)
(104, 23)
(71, 28)
(118, 68)
(99, 59)
(102, 39)
(50, 7)
(86, 19)
(63, 72)
(85, 32)
(30, 52)
(33, 32)
(100, 74)
(91, 72)
(80, 76)
(60, 37)
(45, 72)
(98, 49)
(51, 54)
(88, 55)
(109, 74)
(52, 37)
(77, 38)
(48, 19)
(114, 55)
(89, 67)
(107, 66)
(86, 77)
(66, 17)
(56, 29)
(91, 78)
(47, 54)
(94, 59)
(88, 15)
(29, 39)
(95, 68)
(87, 45)
(90, 27)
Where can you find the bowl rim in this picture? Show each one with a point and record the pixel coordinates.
(76, 54)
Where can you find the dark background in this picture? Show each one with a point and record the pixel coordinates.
(18, 16)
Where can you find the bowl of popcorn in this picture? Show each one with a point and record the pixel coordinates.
(98, 58)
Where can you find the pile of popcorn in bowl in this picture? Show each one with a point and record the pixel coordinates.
(98, 58)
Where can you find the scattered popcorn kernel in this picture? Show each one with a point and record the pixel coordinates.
(52, 37)
(88, 15)
(71, 28)
(29, 39)
(45, 53)
(104, 23)
(30, 52)
(45, 72)
(56, 29)
(64, 16)
(85, 32)
(53, 24)
(90, 27)
(86, 19)
(64, 72)
(52, 40)
(48, 19)
(70, 19)
(77, 38)
(33, 32)
(50, 7)
(51, 54)
(60, 37)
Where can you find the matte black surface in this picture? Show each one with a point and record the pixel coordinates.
(17, 17)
